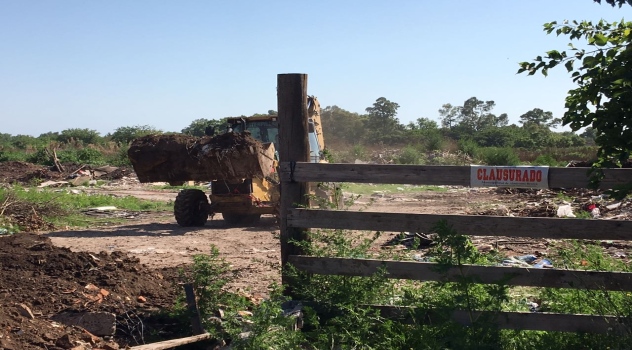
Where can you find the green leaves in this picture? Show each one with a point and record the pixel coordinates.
(603, 98)
(599, 39)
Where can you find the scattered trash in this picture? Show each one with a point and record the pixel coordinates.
(4, 231)
(533, 306)
(412, 240)
(420, 258)
(593, 209)
(613, 206)
(565, 211)
(544, 263)
(53, 184)
(104, 208)
(526, 261)
(620, 255)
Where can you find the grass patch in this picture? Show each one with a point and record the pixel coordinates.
(26, 209)
(367, 189)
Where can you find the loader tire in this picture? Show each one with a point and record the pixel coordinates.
(241, 219)
(191, 208)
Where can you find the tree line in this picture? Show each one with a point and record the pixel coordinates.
(473, 120)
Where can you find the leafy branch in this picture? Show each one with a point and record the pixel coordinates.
(603, 98)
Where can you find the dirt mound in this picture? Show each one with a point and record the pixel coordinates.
(40, 282)
(177, 158)
(24, 173)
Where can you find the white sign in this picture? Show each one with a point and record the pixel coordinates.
(509, 176)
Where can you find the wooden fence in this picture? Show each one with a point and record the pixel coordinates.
(296, 172)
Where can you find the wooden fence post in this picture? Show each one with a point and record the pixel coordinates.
(293, 147)
(196, 323)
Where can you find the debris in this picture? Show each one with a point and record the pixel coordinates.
(141, 299)
(565, 211)
(105, 208)
(544, 263)
(533, 306)
(526, 261)
(25, 311)
(53, 184)
(91, 287)
(613, 206)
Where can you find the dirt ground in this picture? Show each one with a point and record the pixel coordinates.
(130, 269)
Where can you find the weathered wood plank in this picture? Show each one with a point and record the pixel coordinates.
(556, 228)
(293, 146)
(169, 344)
(433, 174)
(511, 320)
(512, 276)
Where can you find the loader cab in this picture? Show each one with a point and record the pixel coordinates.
(266, 129)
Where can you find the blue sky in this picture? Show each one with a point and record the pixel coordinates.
(106, 64)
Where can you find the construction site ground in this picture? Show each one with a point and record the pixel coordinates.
(132, 269)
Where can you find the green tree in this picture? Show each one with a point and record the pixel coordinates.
(494, 136)
(85, 136)
(449, 114)
(24, 141)
(126, 134)
(425, 132)
(475, 115)
(539, 117)
(198, 126)
(49, 136)
(340, 125)
(382, 123)
(423, 124)
(5, 139)
(603, 97)
(589, 135)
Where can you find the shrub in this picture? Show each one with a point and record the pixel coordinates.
(6, 156)
(546, 159)
(90, 156)
(119, 158)
(409, 155)
(499, 156)
(40, 157)
(469, 147)
(433, 141)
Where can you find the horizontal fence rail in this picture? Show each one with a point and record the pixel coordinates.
(422, 271)
(475, 225)
(431, 174)
(541, 321)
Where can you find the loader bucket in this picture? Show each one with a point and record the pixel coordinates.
(177, 158)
